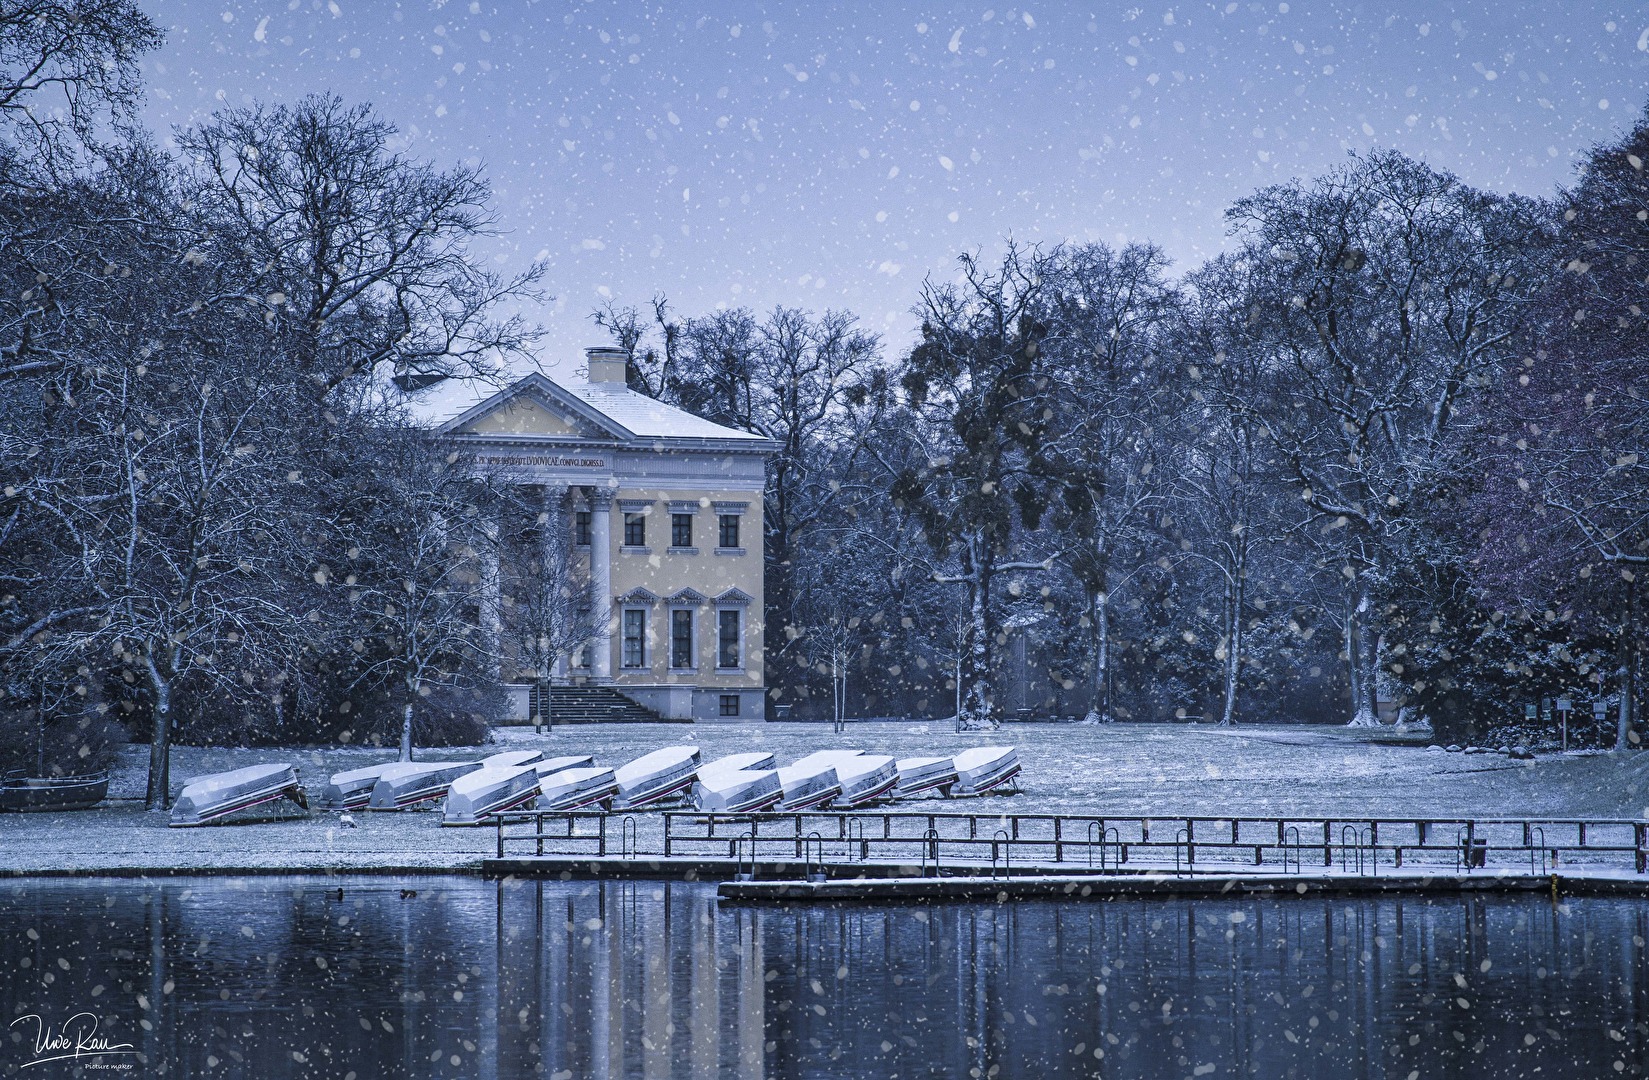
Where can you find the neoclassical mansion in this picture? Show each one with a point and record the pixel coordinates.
(665, 515)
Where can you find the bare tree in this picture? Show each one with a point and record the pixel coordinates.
(415, 588)
(552, 613)
(1383, 295)
(1108, 309)
(359, 255)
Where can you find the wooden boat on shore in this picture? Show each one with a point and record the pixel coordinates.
(983, 768)
(511, 758)
(737, 791)
(31, 794)
(652, 778)
(576, 789)
(920, 775)
(865, 778)
(206, 799)
(473, 796)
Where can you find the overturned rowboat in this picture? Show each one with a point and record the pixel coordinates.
(35, 793)
(576, 789)
(865, 778)
(652, 778)
(352, 788)
(810, 782)
(920, 775)
(206, 799)
(474, 795)
(737, 791)
(983, 768)
(408, 783)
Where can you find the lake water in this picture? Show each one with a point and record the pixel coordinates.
(457, 977)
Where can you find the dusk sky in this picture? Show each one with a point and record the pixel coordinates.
(832, 155)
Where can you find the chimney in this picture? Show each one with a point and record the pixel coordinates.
(607, 364)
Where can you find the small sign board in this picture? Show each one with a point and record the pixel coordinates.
(1599, 709)
(1563, 704)
(1529, 712)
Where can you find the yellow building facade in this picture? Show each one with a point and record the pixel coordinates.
(664, 511)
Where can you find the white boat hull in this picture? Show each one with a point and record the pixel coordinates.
(918, 776)
(805, 787)
(984, 768)
(657, 776)
(352, 789)
(865, 779)
(576, 789)
(743, 791)
(207, 799)
(737, 763)
(489, 791)
(408, 783)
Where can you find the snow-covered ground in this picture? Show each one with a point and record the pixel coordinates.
(1119, 770)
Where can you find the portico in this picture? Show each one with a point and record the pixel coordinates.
(662, 513)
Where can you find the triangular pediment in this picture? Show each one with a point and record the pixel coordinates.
(535, 406)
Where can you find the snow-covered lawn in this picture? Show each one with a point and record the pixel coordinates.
(1122, 769)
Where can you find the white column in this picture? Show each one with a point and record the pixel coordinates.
(492, 607)
(601, 585)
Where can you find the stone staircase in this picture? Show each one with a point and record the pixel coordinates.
(591, 705)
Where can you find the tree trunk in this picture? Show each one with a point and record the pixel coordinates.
(1361, 660)
(977, 701)
(1626, 718)
(1099, 605)
(159, 795)
(1234, 590)
(406, 732)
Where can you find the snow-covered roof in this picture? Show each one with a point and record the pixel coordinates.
(605, 411)
(648, 418)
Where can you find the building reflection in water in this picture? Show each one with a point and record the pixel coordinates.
(263, 977)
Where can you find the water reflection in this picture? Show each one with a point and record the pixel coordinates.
(422, 977)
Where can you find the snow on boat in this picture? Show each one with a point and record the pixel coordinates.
(474, 795)
(557, 764)
(923, 774)
(407, 783)
(654, 777)
(865, 778)
(205, 799)
(511, 758)
(575, 789)
(352, 788)
(737, 791)
(811, 781)
(983, 768)
(737, 763)
(32, 793)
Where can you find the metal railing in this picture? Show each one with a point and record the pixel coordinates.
(1043, 842)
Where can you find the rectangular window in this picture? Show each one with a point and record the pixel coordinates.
(681, 639)
(681, 530)
(730, 704)
(635, 638)
(581, 528)
(727, 637)
(730, 530)
(635, 530)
